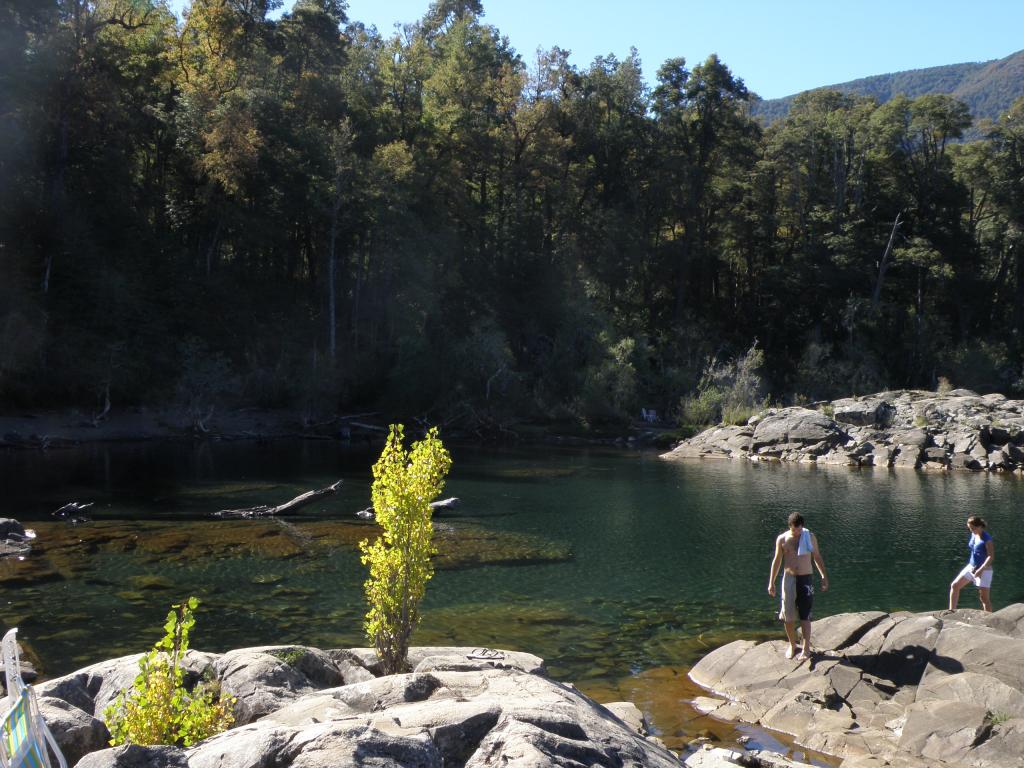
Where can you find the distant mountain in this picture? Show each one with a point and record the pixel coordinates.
(988, 87)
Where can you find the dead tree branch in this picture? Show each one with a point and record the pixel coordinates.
(288, 508)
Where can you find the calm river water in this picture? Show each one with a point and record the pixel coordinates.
(618, 568)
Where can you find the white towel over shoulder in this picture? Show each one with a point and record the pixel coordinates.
(805, 547)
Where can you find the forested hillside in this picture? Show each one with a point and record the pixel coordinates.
(987, 88)
(305, 213)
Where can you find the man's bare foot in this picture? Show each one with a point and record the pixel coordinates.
(790, 652)
(804, 656)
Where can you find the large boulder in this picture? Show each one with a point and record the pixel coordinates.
(305, 708)
(76, 732)
(929, 689)
(264, 679)
(93, 688)
(134, 756)
(863, 411)
(796, 426)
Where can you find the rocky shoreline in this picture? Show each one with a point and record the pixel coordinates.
(302, 707)
(53, 430)
(901, 690)
(906, 690)
(956, 430)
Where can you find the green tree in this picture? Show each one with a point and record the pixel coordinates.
(404, 484)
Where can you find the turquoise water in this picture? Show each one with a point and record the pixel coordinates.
(634, 564)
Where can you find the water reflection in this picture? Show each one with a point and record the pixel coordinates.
(609, 565)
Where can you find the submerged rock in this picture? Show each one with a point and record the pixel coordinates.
(914, 690)
(958, 430)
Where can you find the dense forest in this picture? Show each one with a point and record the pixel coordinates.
(988, 89)
(302, 212)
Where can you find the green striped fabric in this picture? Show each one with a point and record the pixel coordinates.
(19, 737)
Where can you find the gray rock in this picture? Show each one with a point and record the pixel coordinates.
(965, 432)
(912, 690)
(76, 732)
(630, 714)
(862, 411)
(1004, 746)
(917, 438)
(1009, 620)
(907, 456)
(93, 688)
(964, 461)
(133, 756)
(447, 714)
(972, 688)
(998, 459)
(943, 730)
(262, 682)
(10, 526)
(799, 426)
(962, 647)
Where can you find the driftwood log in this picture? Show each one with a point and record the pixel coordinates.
(288, 508)
(436, 506)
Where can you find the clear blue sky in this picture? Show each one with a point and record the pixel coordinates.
(778, 47)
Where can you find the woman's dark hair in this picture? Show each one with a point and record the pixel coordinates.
(976, 521)
(797, 519)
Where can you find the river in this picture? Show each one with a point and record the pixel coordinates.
(618, 568)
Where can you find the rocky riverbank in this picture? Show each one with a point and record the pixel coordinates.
(300, 706)
(959, 430)
(304, 708)
(52, 430)
(925, 690)
(903, 690)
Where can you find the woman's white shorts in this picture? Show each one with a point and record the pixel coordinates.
(985, 582)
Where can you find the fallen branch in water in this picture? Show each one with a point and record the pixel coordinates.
(436, 506)
(289, 507)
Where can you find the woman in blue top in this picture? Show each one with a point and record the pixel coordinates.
(979, 569)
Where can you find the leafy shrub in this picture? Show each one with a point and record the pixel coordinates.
(158, 709)
(704, 408)
(729, 392)
(404, 484)
(740, 413)
(944, 386)
(609, 386)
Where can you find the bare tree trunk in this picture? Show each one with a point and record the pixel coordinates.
(884, 264)
(332, 303)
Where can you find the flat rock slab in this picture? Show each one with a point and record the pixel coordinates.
(902, 690)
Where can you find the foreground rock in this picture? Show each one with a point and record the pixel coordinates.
(907, 428)
(903, 690)
(305, 707)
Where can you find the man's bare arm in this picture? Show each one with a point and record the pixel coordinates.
(776, 564)
(818, 561)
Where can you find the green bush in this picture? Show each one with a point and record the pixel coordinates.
(729, 392)
(704, 408)
(739, 413)
(158, 709)
(404, 484)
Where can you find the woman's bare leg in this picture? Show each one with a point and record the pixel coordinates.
(985, 594)
(954, 591)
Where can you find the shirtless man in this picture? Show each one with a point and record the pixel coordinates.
(795, 550)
